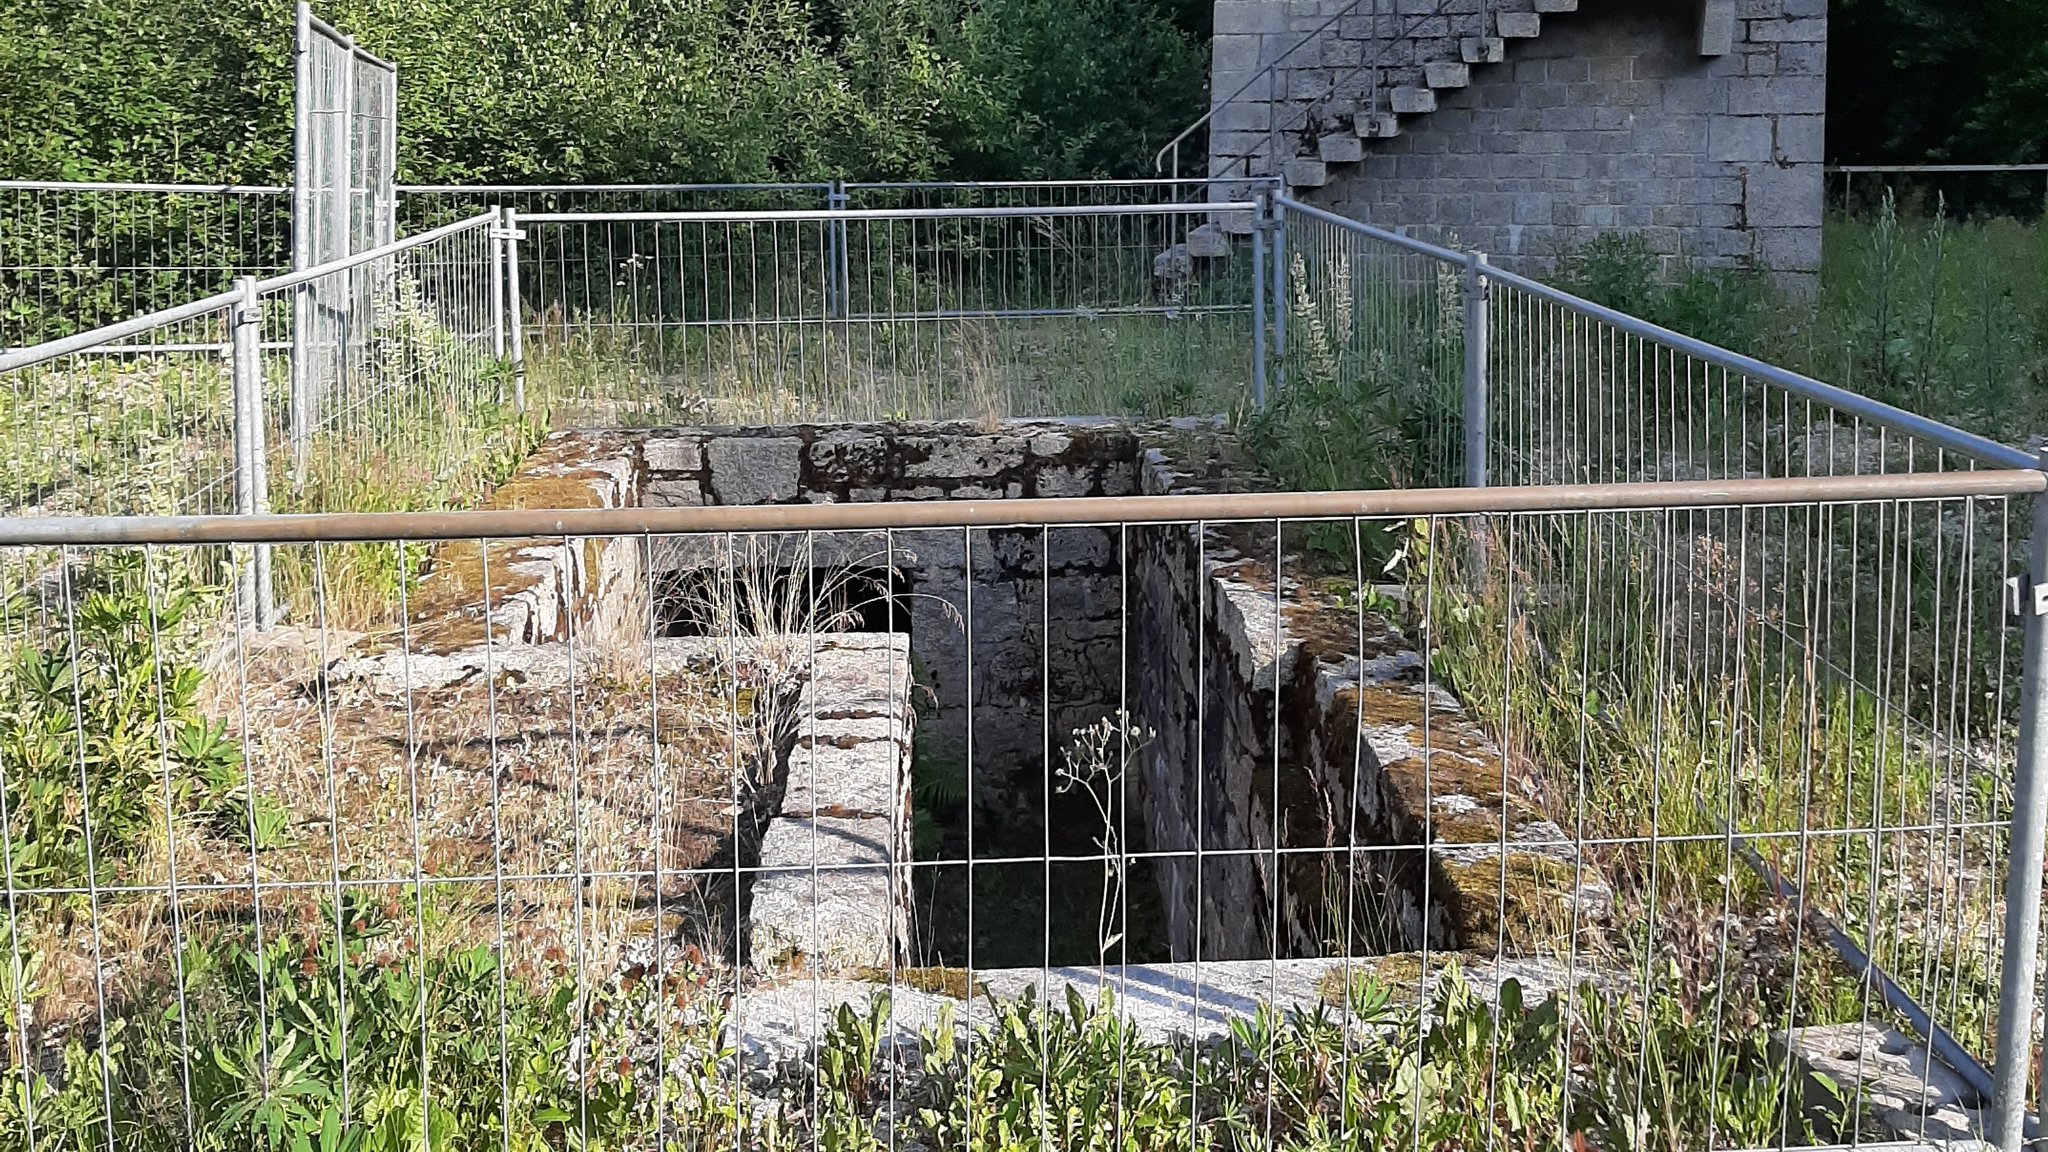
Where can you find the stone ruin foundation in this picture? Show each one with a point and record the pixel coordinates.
(920, 702)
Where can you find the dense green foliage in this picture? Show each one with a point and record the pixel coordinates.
(599, 90)
(1937, 80)
(102, 744)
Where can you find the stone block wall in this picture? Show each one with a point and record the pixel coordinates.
(1611, 120)
(1282, 736)
(1045, 607)
(1311, 791)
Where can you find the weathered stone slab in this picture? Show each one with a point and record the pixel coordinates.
(1899, 1085)
(783, 1020)
(824, 894)
(755, 469)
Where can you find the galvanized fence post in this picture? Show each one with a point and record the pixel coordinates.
(838, 304)
(514, 313)
(252, 480)
(302, 242)
(1475, 371)
(2012, 1071)
(1279, 289)
(1260, 216)
(496, 232)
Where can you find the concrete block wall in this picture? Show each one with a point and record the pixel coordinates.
(1609, 121)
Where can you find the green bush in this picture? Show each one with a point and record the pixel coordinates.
(102, 741)
(614, 90)
(381, 1042)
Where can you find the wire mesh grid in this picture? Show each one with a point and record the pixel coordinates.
(345, 151)
(1541, 833)
(77, 256)
(1579, 399)
(750, 317)
(395, 387)
(74, 256)
(140, 424)
(1045, 193)
(393, 394)
(1440, 356)
(432, 205)
(1374, 334)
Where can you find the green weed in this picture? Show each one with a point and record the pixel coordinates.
(103, 744)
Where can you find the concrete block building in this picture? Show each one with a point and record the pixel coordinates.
(1526, 127)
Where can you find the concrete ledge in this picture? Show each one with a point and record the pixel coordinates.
(780, 1022)
(833, 892)
(1903, 1091)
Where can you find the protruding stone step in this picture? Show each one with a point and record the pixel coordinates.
(1412, 101)
(1340, 148)
(1446, 74)
(1377, 125)
(1483, 49)
(833, 891)
(1518, 25)
(1208, 242)
(1557, 5)
(778, 1025)
(1302, 172)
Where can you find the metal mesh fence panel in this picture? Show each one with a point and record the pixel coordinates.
(1602, 812)
(75, 256)
(748, 317)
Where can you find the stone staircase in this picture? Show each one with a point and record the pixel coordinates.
(1382, 63)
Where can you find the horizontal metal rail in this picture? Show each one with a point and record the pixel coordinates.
(122, 186)
(1877, 412)
(740, 186)
(819, 186)
(1095, 510)
(1078, 312)
(135, 326)
(1125, 182)
(1419, 247)
(798, 215)
(307, 275)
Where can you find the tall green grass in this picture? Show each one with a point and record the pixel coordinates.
(1943, 317)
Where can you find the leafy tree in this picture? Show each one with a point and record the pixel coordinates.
(1938, 80)
(596, 90)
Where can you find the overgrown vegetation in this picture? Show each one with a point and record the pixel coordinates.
(104, 749)
(444, 1049)
(1945, 317)
(381, 1018)
(1650, 678)
(737, 90)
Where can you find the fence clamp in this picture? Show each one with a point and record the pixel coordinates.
(2017, 589)
(508, 233)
